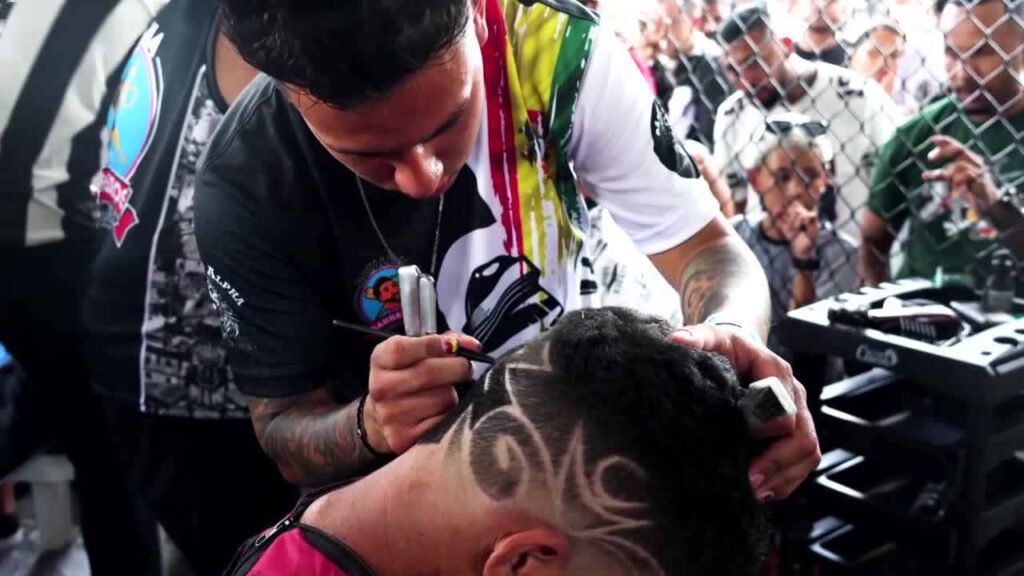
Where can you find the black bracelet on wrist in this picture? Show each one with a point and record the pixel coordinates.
(361, 429)
(806, 263)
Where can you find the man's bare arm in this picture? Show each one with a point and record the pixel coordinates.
(311, 437)
(314, 440)
(716, 273)
(876, 242)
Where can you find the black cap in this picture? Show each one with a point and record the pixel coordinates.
(741, 20)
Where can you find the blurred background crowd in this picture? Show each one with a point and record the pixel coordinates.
(856, 75)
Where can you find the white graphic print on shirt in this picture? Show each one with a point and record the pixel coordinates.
(184, 367)
(507, 299)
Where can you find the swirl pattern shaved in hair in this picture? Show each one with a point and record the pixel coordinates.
(631, 445)
(511, 459)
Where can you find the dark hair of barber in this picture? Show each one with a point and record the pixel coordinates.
(343, 53)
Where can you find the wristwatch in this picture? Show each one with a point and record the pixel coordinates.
(806, 263)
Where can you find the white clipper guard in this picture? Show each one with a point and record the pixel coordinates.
(766, 400)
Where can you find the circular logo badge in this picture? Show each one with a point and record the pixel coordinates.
(380, 300)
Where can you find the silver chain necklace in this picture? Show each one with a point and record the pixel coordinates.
(384, 242)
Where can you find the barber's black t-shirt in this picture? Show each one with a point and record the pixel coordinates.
(329, 262)
(290, 246)
(152, 330)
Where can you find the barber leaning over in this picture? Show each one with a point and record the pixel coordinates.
(449, 134)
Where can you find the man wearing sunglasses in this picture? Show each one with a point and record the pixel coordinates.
(804, 257)
(770, 79)
(955, 170)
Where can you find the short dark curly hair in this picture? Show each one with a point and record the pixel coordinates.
(610, 383)
(343, 52)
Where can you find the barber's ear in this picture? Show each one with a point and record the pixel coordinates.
(480, 20)
(536, 552)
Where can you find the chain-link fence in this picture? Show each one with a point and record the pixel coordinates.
(851, 141)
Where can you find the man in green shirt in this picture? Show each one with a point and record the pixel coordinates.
(956, 168)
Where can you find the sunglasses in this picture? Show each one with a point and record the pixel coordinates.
(780, 128)
(813, 128)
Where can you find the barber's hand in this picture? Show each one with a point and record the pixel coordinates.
(966, 173)
(795, 454)
(411, 387)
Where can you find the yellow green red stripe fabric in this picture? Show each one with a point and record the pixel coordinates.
(534, 60)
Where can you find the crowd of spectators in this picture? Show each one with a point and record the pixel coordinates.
(869, 101)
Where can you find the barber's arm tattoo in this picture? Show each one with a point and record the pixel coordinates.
(311, 437)
(725, 278)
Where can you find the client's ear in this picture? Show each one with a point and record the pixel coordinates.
(536, 552)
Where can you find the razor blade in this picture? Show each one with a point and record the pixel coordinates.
(419, 301)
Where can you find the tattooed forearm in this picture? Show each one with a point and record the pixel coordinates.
(311, 437)
(725, 277)
(702, 294)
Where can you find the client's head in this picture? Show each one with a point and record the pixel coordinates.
(602, 447)
(599, 448)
